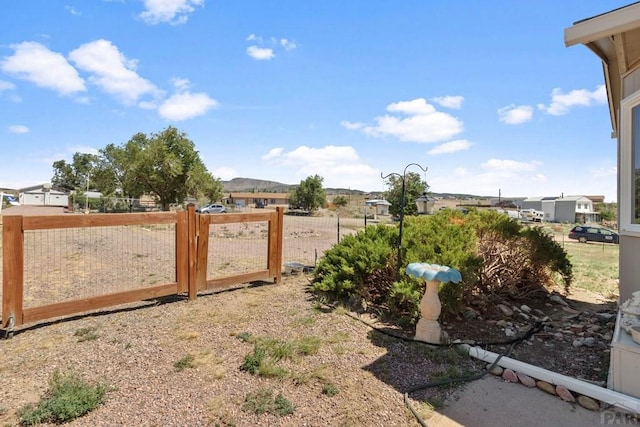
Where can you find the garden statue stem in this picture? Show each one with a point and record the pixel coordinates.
(428, 328)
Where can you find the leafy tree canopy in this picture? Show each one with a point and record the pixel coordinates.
(309, 195)
(165, 165)
(414, 188)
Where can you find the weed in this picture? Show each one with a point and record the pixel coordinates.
(329, 389)
(244, 337)
(87, 334)
(269, 369)
(68, 397)
(252, 361)
(308, 345)
(304, 321)
(278, 349)
(262, 401)
(187, 361)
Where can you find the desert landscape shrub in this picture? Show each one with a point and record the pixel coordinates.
(68, 397)
(496, 255)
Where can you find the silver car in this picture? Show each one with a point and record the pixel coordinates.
(214, 208)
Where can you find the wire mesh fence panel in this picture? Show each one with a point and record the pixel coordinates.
(74, 263)
(306, 238)
(237, 248)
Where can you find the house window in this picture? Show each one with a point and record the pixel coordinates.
(629, 192)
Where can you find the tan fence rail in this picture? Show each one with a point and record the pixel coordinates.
(89, 262)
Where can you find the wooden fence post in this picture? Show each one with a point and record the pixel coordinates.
(12, 272)
(194, 231)
(276, 232)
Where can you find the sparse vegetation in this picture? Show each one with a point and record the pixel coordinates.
(329, 389)
(87, 334)
(68, 397)
(187, 361)
(262, 401)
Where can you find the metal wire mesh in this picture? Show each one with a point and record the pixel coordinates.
(74, 263)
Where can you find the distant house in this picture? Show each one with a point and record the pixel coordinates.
(575, 209)
(43, 195)
(546, 205)
(249, 199)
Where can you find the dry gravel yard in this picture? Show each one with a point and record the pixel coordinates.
(135, 351)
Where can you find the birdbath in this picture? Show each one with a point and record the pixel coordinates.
(428, 328)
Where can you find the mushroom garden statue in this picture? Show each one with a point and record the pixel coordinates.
(428, 328)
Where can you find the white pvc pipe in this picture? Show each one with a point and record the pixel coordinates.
(606, 395)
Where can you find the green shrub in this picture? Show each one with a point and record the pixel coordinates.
(342, 271)
(495, 254)
(68, 397)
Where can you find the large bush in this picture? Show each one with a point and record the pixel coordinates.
(496, 255)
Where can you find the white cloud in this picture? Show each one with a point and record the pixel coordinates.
(174, 12)
(450, 147)
(288, 44)
(184, 106)
(510, 165)
(515, 115)
(273, 153)
(225, 173)
(18, 129)
(561, 102)
(424, 123)
(37, 64)
(340, 166)
(72, 10)
(260, 53)
(82, 149)
(352, 126)
(454, 102)
(181, 85)
(5, 85)
(112, 71)
(253, 37)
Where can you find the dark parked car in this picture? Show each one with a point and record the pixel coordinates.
(588, 233)
(214, 208)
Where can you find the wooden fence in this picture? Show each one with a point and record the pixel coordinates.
(191, 259)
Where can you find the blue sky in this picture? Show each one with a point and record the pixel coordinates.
(483, 94)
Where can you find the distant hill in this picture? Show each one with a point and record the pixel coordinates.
(247, 185)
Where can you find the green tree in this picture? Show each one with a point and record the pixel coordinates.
(414, 188)
(340, 201)
(309, 195)
(607, 211)
(75, 175)
(169, 167)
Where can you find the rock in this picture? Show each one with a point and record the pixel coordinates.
(589, 403)
(564, 393)
(526, 380)
(497, 370)
(539, 312)
(558, 300)
(545, 386)
(525, 309)
(558, 336)
(523, 316)
(509, 376)
(605, 316)
(578, 342)
(577, 327)
(502, 323)
(470, 314)
(570, 310)
(505, 310)
(589, 342)
(509, 332)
